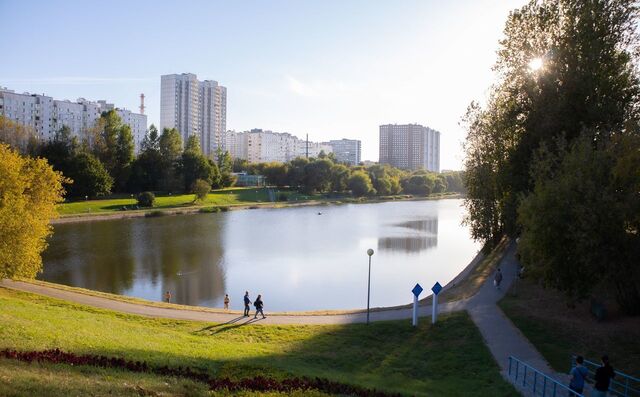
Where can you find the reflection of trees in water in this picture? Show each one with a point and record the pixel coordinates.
(425, 239)
(142, 257)
(192, 253)
(89, 255)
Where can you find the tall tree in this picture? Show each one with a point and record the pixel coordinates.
(564, 67)
(170, 145)
(30, 191)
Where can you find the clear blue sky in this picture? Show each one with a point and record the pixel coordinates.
(331, 69)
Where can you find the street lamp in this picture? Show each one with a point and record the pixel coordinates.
(370, 253)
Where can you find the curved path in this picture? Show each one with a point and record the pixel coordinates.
(501, 336)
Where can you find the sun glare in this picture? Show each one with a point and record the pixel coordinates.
(535, 64)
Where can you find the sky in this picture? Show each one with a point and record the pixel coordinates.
(330, 69)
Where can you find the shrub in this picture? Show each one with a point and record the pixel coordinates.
(200, 188)
(146, 199)
(283, 197)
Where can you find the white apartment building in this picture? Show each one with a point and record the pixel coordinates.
(346, 150)
(194, 107)
(410, 146)
(47, 115)
(258, 146)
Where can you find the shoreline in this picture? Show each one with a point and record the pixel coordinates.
(76, 218)
(49, 289)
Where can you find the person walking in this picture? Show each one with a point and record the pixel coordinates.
(497, 278)
(579, 375)
(247, 303)
(167, 297)
(226, 301)
(259, 305)
(602, 378)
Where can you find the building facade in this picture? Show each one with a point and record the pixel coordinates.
(194, 107)
(46, 115)
(346, 150)
(259, 146)
(410, 146)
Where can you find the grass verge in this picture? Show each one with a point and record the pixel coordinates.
(390, 356)
(558, 331)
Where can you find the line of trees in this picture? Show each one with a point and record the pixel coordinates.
(326, 175)
(554, 155)
(102, 160)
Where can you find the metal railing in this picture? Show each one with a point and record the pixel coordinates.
(537, 382)
(622, 385)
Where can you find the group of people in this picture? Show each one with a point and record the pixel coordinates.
(258, 304)
(602, 378)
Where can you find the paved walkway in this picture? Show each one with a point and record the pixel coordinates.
(501, 336)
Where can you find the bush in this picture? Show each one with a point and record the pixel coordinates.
(146, 199)
(200, 188)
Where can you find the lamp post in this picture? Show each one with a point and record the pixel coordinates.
(370, 253)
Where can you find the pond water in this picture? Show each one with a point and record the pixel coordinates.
(304, 258)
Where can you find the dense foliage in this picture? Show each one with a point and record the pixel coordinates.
(29, 191)
(146, 199)
(544, 156)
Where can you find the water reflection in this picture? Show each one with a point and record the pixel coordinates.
(141, 257)
(410, 241)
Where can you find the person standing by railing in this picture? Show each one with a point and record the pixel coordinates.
(579, 375)
(603, 377)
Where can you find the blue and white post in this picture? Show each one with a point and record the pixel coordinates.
(436, 290)
(416, 292)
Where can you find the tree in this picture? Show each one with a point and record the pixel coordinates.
(578, 223)
(17, 136)
(419, 183)
(587, 82)
(296, 171)
(123, 158)
(339, 177)
(147, 169)
(87, 176)
(30, 191)
(276, 173)
(225, 166)
(194, 165)
(317, 176)
(360, 184)
(201, 189)
(170, 145)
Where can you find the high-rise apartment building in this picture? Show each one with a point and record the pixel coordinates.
(346, 150)
(194, 108)
(47, 115)
(410, 146)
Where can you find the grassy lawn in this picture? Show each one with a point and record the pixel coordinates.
(558, 331)
(447, 359)
(223, 197)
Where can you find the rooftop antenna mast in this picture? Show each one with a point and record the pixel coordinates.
(307, 146)
(142, 107)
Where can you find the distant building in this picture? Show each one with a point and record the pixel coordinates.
(410, 146)
(194, 107)
(47, 115)
(259, 146)
(346, 150)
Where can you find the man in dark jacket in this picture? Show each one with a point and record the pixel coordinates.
(247, 303)
(258, 304)
(603, 377)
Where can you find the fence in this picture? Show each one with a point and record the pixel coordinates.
(529, 378)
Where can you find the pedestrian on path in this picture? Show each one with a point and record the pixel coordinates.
(497, 278)
(259, 305)
(247, 303)
(226, 301)
(167, 297)
(579, 375)
(603, 377)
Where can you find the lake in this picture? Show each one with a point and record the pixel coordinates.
(305, 258)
